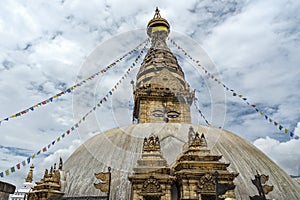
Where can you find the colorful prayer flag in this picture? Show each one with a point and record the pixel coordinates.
(286, 130)
(12, 169)
(292, 134)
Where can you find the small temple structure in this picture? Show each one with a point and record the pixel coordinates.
(152, 177)
(49, 186)
(21, 193)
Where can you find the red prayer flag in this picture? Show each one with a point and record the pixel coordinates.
(18, 166)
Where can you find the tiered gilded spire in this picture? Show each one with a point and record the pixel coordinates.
(160, 82)
(30, 175)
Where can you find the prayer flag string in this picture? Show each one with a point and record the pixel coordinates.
(199, 111)
(28, 160)
(234, 93)
(70, 89)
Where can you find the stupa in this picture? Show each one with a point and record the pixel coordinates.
(180, 169)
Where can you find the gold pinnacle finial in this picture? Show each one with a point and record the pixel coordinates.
(30, 174)
(157, 23)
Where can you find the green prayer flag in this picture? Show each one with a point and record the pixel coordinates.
(12, 169)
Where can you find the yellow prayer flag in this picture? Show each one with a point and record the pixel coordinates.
(286, 131)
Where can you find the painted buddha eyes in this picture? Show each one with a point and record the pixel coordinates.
(173, 114)
(170, 114)
(157, 113)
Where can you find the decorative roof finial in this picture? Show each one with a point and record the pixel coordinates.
(46, 174)
(60, 164)
(198, 141)
(30, 174)
(151, 144)
(157, 14)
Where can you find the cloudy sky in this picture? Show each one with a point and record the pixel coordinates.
(46, 47)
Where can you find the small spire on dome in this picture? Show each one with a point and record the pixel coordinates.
(30, 173)
(60, 164)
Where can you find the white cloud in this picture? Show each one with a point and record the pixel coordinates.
(285, 154)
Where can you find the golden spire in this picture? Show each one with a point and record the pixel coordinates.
(161, 93)
(29, 175)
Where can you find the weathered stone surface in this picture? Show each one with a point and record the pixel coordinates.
(6, 189)
(121, 147)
